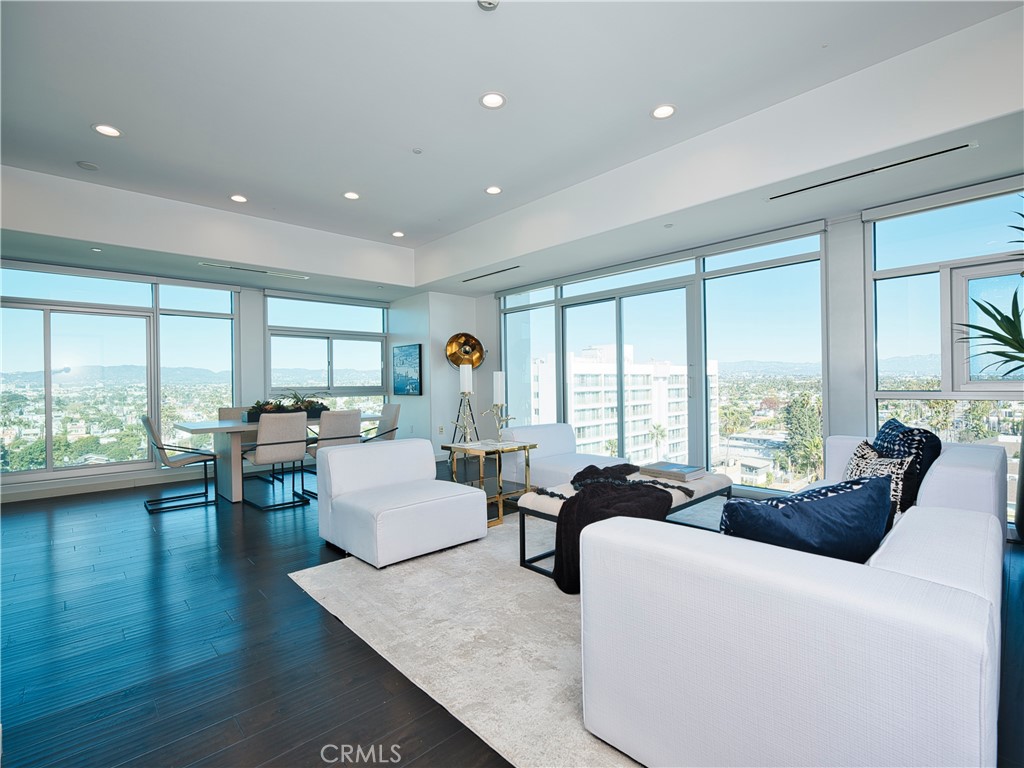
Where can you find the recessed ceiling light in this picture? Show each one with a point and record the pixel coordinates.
(493, 190)
(398, 234)
(85, 165)
(107, 130)
(240, 198)
(351, 195)
(662, 111)
(492, 100)
(96, 250)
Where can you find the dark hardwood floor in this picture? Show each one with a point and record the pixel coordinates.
(178, 639)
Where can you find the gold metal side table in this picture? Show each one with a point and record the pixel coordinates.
(496, 449)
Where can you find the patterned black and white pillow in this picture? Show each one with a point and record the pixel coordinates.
(865, 462)
(895, 440)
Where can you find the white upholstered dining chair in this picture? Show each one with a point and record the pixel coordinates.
(387, 427)
(336, 428)
(280, 439)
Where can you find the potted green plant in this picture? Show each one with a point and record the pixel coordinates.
(260, 407)
(308, 403)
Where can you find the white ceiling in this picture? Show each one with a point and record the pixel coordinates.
(293, 103)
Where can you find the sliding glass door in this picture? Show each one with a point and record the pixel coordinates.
(99, 380)
(592, 376)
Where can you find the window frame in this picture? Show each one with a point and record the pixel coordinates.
(951, 387)
(329, 335)
(151, 315)
(699, 422)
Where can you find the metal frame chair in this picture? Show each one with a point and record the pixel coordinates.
(336, 428)
(185, 457)
(280, 439)
(387, 426)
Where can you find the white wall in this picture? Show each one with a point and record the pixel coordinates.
(447, 315)
(408, 324)
(252, 346)
(430, 319)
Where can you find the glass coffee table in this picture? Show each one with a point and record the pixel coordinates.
(496, 489)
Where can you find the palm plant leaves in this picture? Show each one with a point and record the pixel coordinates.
(1007, 336)
(1018, 228)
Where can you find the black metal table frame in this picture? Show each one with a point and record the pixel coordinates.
(531, 561)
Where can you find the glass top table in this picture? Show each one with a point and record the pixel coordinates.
(484, 449)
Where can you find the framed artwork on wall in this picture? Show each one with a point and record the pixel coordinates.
(405, 370)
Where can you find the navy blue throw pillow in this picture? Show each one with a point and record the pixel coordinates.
(846, 520)
(895, 440)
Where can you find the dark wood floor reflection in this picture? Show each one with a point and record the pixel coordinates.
(178, 639)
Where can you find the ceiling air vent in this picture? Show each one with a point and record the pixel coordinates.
(879, 169)
(496, 272)
(270, 272)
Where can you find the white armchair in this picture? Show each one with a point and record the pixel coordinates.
(381, 502)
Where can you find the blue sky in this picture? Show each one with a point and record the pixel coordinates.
(764, 315)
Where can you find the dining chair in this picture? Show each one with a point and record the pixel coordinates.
(336, 428)
(280, 439)
(183, 457)
(387, 426)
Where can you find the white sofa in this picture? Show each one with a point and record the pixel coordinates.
(381, 502)
(961, 478)
(705, 649)
(554, 461)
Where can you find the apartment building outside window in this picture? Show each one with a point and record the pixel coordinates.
(930, 260)
(641, 333)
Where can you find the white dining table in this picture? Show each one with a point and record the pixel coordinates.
(227, 444)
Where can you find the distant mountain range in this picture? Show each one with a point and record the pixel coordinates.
(908, 365)
(767, 368)
(136, 374)
(922, 365)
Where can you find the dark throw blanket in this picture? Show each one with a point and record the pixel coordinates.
(601, 493)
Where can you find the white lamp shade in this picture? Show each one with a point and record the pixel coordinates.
(499, 387)
(466, 378)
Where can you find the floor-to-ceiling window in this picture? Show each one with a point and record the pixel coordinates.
(22, 391)
(655, 372)
(529, 339)
(932, 261)
(634, 380)
(763, 337)
(196, 336)
(591, 377)
(87, 354)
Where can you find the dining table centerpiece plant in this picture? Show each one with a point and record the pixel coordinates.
(293, 402)
(260, 407)
(296, 401)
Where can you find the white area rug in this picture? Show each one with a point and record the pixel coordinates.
(495, 644)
